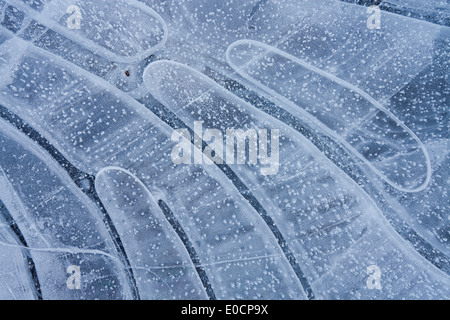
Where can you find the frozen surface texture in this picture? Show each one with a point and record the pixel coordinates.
(122, 31)
(343, 110)
(116, 180)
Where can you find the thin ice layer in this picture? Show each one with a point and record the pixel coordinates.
(343, 110)
(159, 260)
(121, 31)
(333, 227)
(436, 11)
(60, 225)
(95, 126)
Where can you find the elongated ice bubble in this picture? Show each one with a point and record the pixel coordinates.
(60, 224)
(124, 31)
(159, 260)
(329, 223)
(342, 110)
(95, 125)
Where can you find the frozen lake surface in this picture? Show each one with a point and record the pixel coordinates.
(134, 160)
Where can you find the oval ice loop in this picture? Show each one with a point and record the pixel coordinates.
(342, 110)
(159, 260)
(121, 31)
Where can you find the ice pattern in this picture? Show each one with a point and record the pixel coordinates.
(90, 117)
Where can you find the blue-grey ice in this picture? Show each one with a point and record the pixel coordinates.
(98, 126)
(111, 119)
(330, 223)
(122, 31)
(62, 227)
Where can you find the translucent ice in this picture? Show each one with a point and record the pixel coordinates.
(329, 222)
(343, 110)
(62, 227)
(159, 259)
(122, 31)
(95, 126)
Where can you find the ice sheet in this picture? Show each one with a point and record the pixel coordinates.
(329, 222)
(60, 225)
(122, 31)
